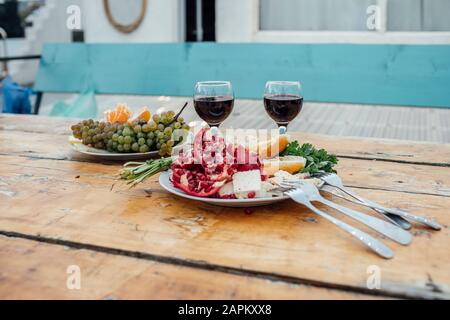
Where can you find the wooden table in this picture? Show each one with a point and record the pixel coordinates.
(58, 209)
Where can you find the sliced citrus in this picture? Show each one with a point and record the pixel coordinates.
(142, 114)
(120, 114)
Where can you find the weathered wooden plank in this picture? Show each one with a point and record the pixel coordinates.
(432, 124)
(380, 149)
(73, 201)
(338, 126)
(354, 172)
(381, 125)
(53, 136)
(378, 114)
(445, 130)
(333, 116)
(35, 124)
(416, 125)
(389, 129)
(363, 124)
(400, 124)
(36, 270)
(422, 126)
(352, 130)
(395, 176)
(445, 124)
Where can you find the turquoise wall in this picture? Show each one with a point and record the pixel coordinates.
(375, 74)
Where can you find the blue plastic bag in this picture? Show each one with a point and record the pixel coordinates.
(84, 106)
(16, 99)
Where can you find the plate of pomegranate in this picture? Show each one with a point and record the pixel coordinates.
(212, 170)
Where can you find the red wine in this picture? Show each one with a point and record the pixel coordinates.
(283, 108)
(214, 110)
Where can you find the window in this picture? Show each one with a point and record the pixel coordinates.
(334, 21)
(14, 13)
(314, 15)
(418, 15)
(351, 15)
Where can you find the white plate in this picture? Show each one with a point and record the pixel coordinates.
(106, 155)
(164, 181)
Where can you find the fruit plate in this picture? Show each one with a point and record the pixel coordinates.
(164, 181)
(106, 155)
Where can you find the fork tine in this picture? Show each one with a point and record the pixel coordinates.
(289, 184)
(286, 181)
(319, 174)
(285, 185)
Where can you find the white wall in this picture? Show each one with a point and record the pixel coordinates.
(161, 24)
(49, 25)
(235, 20)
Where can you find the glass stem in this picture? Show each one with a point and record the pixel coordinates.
(282, 128)
(214, 129)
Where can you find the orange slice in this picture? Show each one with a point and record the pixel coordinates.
(120, 114)
(143, 114)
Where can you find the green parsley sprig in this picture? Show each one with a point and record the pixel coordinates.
(316, 159)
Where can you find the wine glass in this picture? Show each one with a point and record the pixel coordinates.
(283, 102)
(213, 101)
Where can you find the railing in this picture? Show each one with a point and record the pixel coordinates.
(3, 37)
(4, 61)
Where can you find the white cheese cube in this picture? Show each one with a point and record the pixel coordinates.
(247, 181)
(227, 189)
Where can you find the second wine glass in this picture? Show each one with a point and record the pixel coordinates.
(283, 102)
(213, 101)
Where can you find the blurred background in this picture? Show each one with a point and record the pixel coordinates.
(373, 68)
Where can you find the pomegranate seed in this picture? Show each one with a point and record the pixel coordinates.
(251, 194)
(203, 185)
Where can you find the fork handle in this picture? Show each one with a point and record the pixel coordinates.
(389, 230)
(400, 213)
(395, 219)
(401, 222)
(427, 222)
(372, 243)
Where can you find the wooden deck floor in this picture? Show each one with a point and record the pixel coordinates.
(391, 122)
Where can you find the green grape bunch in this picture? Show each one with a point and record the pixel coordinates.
(137, 137)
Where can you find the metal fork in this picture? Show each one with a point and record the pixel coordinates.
(335, 181)
(385, 228)
(401, 222)
(299, 196)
